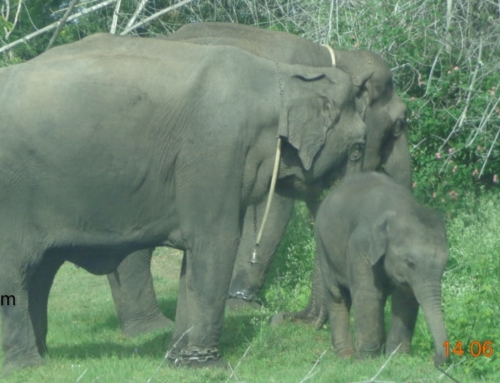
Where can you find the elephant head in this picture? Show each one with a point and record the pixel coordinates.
(384, 114)
(377, 102)
(413, 247)
(319, 120)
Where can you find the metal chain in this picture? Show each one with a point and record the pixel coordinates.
(186, 357)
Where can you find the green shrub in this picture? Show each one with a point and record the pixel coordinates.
(288, 283)
(471, 285)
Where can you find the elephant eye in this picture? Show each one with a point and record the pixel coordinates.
(357, 150)
(399, 126)
(410, 264)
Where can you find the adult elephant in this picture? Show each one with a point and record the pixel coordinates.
(387, 146)
(115, 144)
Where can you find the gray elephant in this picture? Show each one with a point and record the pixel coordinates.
(373, 239)
(115, 144)
(387, 144)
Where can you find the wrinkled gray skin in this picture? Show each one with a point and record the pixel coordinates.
(387, 144)
(114, 144)
(373, 239)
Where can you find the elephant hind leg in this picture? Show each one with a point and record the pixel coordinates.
(38, 296)
(134, 295)
(18, 338)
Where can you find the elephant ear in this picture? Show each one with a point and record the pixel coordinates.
(306, 115)
(367, 92)
(379, 236)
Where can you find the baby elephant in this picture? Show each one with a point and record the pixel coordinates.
(373, 240)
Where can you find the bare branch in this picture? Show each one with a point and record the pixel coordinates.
(484, 120)
(386, 362)
(461, 120)
(54, 25)
(432, 71)
(233, 373)
(449, 8)
(310, 374)
(82, 375)
(138, 10)
(330, 17)
(115, 17)
(448, 375)
(445, 373)
(7, 10)
(7, 34)
(61, 24)
(489, 153)
(155, 16)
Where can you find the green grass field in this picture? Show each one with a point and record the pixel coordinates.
(86, 344)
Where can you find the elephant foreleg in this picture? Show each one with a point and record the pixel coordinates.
(134, 295)
(339, 305)
(248, 278)
(404, 311)
(200, 306)
(368, 303)
(210, 240)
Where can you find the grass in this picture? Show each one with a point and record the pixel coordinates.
(86, 345)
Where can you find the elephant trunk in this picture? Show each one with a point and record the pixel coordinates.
(398, 164)
(372, 157)
(429, 298)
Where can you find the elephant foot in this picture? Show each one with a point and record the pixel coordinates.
(404, 348)
(134, 328)
(440, 359)
(368, 353)
(344, 351)
(237, 304)
(197, 358)
(11, 366)
(278, 319)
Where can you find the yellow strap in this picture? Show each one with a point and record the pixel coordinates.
(332, 53)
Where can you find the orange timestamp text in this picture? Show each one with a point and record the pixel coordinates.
(476, 348)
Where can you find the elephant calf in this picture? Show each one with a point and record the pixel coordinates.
(373, 240)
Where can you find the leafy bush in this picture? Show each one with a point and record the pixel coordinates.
(471, 285)
(288, 284)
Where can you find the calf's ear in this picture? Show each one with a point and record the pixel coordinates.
(306, 115)
(379, 236)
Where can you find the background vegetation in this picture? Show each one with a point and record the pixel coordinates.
(445, 57)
